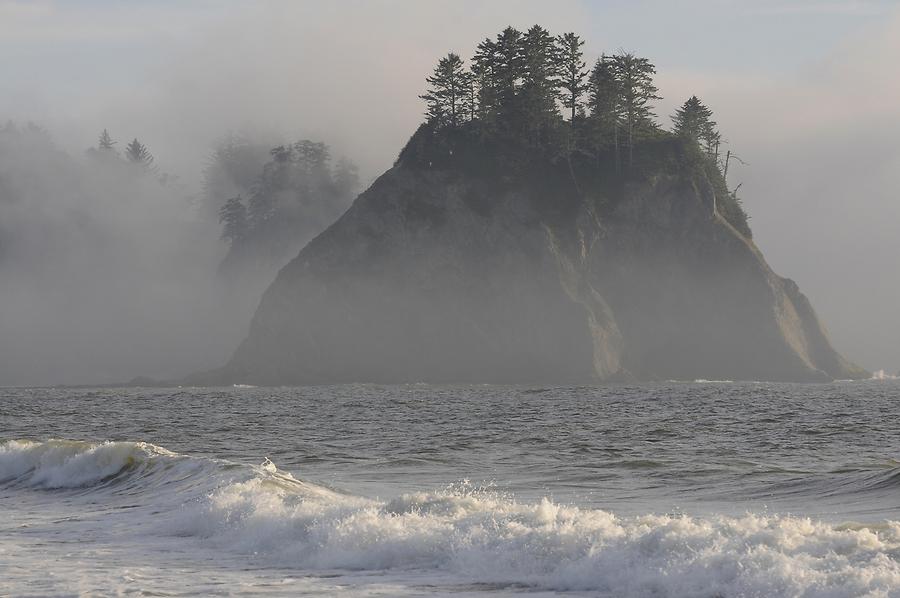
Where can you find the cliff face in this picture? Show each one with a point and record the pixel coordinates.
(437, 277)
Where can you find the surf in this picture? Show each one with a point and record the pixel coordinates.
(464, 532)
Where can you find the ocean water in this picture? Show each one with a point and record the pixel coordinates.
(686, 490)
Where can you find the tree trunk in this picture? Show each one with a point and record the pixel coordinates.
(630, 145)
(616, 143)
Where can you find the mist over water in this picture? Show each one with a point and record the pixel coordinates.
(107, 272)
(820, 184)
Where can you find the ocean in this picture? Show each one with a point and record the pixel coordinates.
(704, 489)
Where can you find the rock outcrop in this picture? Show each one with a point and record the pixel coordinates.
(434, 275)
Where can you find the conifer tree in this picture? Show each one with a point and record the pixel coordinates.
(484, 75)
(312, 156)
(572, 73)
(507, 72)
(137, 153)
(231, 169)
(693, 119)
(635, 80)
(449, 86)
(470, 97)
(105, 143)
(540, 81)
(711, 139)
(233, 216)
(605, 102)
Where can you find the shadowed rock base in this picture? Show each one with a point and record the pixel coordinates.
(436, 277)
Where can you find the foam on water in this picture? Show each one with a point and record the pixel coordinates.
(470, 534)
(881, 375)
(70, 463)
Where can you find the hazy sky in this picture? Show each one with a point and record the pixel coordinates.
(806, 92)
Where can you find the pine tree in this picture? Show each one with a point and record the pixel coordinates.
(571, 59)
(484, 74)
(540, 81)
(137, 153)
(635, 80)
(446, 95)
(312, 156)
(261, 206)
(233, 216)
(508, 69)
(105, 143)
(470, 97)
(711, 140)
(231, 169)
(693, 119)
(605, 102)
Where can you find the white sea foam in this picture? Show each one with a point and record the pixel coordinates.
(70, 463)
(482, 537)
(882, 375)
(474, 536)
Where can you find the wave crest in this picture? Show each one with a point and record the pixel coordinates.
(468, 533)
(71, 463)
(488, 538)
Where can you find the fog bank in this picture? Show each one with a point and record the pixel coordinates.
(106, 277)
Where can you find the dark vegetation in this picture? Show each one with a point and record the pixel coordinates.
(295, 194)
(528, 109)
(266, 199)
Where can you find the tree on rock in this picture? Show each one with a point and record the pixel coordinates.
(507, 69)
(694, 121)
(137, 153)
(449, 88)
(540, 81)
(605, 103)
(635, 80)
(572, 73)
(484, 75)
(105, 142)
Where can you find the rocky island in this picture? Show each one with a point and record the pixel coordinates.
(539, 228)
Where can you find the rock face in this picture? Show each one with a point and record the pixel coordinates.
(437, 277)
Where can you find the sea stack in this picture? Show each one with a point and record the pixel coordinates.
(464, 263)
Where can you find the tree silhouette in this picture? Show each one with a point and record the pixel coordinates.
(231, 169)
(635, 81)
(484, 72)
(605, 102)
(449, 87)
(694, 121)
(507, 73)
(297, 192)
(539, 76)
(137, 153)
(105, 142)
(572, 73)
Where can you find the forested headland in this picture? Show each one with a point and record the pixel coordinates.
(527, 103)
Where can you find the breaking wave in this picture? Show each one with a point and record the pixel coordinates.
(468, 533)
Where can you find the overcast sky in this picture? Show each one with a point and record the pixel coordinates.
(806, 92)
